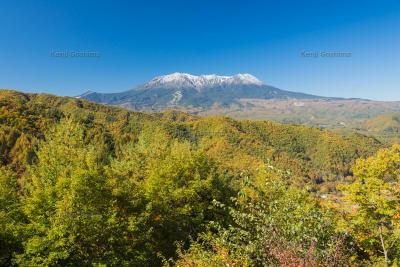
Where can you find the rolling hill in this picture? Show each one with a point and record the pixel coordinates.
(313, 155)
(82, 182)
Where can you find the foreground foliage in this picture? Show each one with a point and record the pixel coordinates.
(373, 206)
(83, 184)
(272, 225)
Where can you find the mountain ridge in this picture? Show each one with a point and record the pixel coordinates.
(243, 96)
(185, 90)
(182, 80)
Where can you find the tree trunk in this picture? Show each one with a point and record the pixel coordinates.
(383, 245)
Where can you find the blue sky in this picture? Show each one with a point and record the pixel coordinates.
(139, 40)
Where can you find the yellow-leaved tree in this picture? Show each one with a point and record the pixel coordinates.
(372, 206)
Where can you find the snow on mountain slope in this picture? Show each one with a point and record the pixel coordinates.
(185, 80)
(203, 91)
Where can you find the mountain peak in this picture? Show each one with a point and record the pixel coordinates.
(248, 78)
(186, 80)
(184, 90)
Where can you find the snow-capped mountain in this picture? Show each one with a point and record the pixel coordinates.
(183, 90)
(185, 80)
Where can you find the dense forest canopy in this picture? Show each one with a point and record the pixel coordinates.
(312, 155)
(84, 184)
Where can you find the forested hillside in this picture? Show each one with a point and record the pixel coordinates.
(312, 155)
(386, 127)
(84, 184)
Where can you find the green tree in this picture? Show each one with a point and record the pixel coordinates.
(69, 206)
(272, 225)
(165, 189)
(373, 205)
(11, 217)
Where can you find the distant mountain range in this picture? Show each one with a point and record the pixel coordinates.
(245, 96)
(184, 90)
